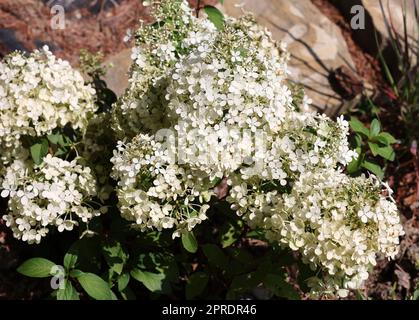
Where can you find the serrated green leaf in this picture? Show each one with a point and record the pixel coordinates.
(197, 282)
(215, 16)
(68, 293)
(123, 281)
(39, 151)
(152, 281)
(215, 256)
(358, 127)
(36, 268)
(375, 128)
(189, 242)
(95, 286)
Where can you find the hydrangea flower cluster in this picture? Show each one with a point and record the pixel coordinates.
(153, 192)
(52, 194)
(143, 107)
(336, 222)
(38, 94)
(221, 99)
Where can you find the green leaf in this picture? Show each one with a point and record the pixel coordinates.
(123, 281)
(387, 137)
(152, 281)
(57, 139)
(161, 266)
(70, 260)
(60, 152)
(229, 235)
(95, 286)
(221, 1)
(215, 16)
(68, 293)
(358, 140)
(215, 256)
(75, 273)
(36, 268)
(358, 127)
(380, 140)
(115, 256)
(39, 151)
(387, 153)
(354, 166)
(374, 168)
(374, 148)
(375, 128)
(189, 242)
(196, 284)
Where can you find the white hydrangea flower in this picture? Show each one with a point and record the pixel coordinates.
(154, 193)
(53, 194)
(224, 98)
(39, 93)
(338, 223)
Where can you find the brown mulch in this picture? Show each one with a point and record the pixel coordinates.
(29, 21)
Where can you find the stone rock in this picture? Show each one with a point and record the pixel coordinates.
(389, 14)
(393, 12)
(117, 75)
(315, 43)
